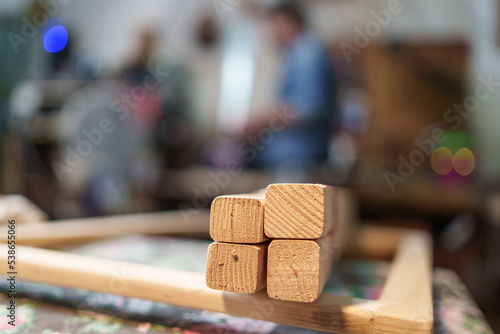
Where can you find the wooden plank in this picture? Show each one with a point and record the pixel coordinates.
(298, 269)
(406, 306)
(21, 209)
(57, 232)
(238, 218)
(299, 211)
(408, 289)
(331, 313)
(236, 267)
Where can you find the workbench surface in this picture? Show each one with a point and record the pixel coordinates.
(51, 309)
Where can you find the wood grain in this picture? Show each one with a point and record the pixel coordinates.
(299, 211)
(236, 267)
(298, 269)
(408, 288)
(402, 310)
(331, 313)
(238, 218)
(54, 233)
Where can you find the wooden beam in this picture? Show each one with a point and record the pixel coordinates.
(300, 211)
(408, 288)
(238, 218)
(53, 233)
(330, 313)
(298, 269)
(399, 311)
(236, 267)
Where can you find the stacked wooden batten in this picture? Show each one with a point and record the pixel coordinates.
(286, 237)
(237, 260)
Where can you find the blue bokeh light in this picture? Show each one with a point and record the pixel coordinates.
(55, 39)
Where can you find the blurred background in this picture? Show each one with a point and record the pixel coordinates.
(113, 107)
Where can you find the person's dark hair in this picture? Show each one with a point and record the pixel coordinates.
(207, 33)
(289, 9)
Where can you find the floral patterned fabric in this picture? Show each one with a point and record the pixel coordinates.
(48, 309)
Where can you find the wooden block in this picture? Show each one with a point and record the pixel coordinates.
(236, 267)
(299, 211)
(238, 218)
(297, 270)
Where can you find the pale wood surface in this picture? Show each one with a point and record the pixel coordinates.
(48, 234)
(238, 218)
(400, 311)
(236, 267)
(300, 211)
(298, 269)
(187, 289)
(20, 209)
(408, 288)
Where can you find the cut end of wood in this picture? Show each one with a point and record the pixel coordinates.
(294, 270)
(299, 211)
(236, 267)
(238, 218)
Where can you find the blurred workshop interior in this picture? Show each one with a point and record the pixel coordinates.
(117, 107)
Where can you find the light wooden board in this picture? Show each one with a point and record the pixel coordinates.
(238, 218)
(406, 305)
(236, 267)
(53, 233)
(407, 291)
(300, 211)
(298, 269)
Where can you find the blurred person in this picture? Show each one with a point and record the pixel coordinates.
(305, 99)
(161, 112)
(146, 107)
(109, 159)
(205, 70)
